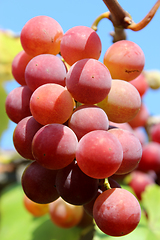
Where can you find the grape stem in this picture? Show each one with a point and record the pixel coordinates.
(122, 20)
(106, 184)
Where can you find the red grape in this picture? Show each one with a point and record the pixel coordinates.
(38, 183)
(80, 42)
(122, 103)
(19, 64)
(155, 133)
(141, 118)
(17, 103)
(45, 68)
(139, 181)
(36, 209)
(125, 60)
(41, 34)
(99, 154)
(54, 146)
(65, 215)
(74, 186)
(150, 157)
(51, 103)
(116, 212)
(23, 135)
(140, 84)
(88, 81)
(132, 150)
(87, 118)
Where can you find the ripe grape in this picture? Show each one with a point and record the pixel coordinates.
(99, 154)
(74, 186)
(140, 84)
(122, 103)
(88, 207)
(155, 133)
(132, 150)
(23, 135)
(45, 68)
(41, 34)
(88, 81)
(139, 181)
(36, 209)
(54, 146)
(51, 103)
(87, 118)
(150, 157)
(125, 60)
(65, 215)
(140, 120)
(17, 103)
(19, 64)
(38, 183)
(80, 42)
(116, 212)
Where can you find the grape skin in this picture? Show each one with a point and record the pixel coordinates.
(99, 154)
(74, 186)
(88, 81)
(122, 103)
(80, 42)
(125, 60)
(132, 150)
(116, 212)
(19, 64)
(51, 103)
(54, 146)
(17, 103)
(38, 183)
(41, 34)
(87, 118)
(65, 215)
(45, 68)
(23, 135)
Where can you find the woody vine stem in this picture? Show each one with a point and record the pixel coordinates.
(122, 20)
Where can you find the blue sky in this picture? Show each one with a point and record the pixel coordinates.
(15, 13)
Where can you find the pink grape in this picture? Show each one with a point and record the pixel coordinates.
(41, 34)
(155, 133)
(45, 68)
(87, 118)
(140, 84)
(51, 103)
(150, 157)
(122, 103)
(54, 146)
(18, 103)
(80, 42)
(19, 64)
(139, 181)
(23, 135)
(116, 212)
(140, 120)
(132, 150)
(125, 60)
(99, 154)
(65, 215)
(88, 81)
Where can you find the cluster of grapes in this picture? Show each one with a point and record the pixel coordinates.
(66, 109)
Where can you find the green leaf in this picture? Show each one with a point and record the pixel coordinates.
(10, 46)
(150, 202)
(4, 120)
(17, 223)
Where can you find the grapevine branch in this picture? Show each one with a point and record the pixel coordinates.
(122, 20)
